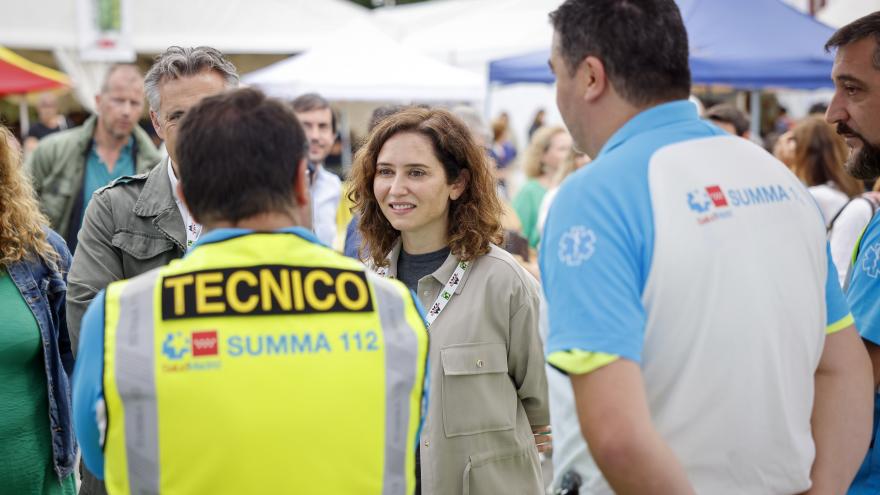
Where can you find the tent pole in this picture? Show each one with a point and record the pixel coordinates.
(755, 128)
(23, 120)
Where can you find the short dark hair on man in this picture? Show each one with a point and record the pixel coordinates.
(381, 113)
(729, 114)
(313, 101)
(642, 44)
(857, 30)
(819, 107)
(239, 154)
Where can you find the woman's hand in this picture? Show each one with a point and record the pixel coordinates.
(543, 438)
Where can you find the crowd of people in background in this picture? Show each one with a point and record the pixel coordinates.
(641, 300)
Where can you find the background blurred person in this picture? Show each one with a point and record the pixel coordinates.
(816, 154)
(68, 166)
(731, 119)
(319, 122)
(542, 159)
(819, 108)
(48, 121)
(574, 161)
(537, 122)
(430, 218)
(37, 446)
(783, 121)
(503, 150)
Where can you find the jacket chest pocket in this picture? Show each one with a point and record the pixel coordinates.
(477, 393)
(144, 247)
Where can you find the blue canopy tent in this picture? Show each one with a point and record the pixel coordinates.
(747, 44)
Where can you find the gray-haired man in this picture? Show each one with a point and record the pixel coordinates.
(138, 223)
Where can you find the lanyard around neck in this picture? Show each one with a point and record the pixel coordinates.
(445, 294)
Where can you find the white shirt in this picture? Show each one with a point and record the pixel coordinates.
(830, 200)
(326, 191)
(193, 229)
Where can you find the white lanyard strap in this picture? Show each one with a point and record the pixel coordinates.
(445, 294)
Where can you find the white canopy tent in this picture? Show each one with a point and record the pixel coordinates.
(841, 12)
(469, 33)
(232, 26)
(360, 63)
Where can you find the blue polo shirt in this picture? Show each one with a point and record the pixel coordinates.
(703, 259)
(98, 175)
(863, 295)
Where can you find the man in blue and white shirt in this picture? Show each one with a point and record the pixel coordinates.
(855, 110)
(691, 296)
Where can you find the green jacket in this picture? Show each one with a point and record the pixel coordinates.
(58, 164)
(131, 226)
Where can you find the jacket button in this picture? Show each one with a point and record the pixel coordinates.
(479, 363)
(427, 443)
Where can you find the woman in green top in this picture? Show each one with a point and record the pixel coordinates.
(37, 449)
(546, 151)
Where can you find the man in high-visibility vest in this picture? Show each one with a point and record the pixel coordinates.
(261, 362)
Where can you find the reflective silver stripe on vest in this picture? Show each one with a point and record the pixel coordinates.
(135, 380)
(401, 364)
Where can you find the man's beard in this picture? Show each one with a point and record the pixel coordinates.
(863, 164)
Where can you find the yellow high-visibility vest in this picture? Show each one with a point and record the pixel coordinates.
(263, 363)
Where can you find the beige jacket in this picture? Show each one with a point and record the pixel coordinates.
(487, 383)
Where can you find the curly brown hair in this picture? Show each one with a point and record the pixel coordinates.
(22, 225)
(474, 218)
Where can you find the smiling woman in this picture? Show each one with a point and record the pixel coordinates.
(430, 217)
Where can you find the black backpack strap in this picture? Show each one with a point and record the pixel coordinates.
(837, 215)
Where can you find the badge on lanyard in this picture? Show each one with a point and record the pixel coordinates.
(445, 294)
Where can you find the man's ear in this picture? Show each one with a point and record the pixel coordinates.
(460, 184)
(301, 192)
(154, 118)
(592, 78)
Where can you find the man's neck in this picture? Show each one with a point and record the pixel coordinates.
(260, 222)
(616, 112)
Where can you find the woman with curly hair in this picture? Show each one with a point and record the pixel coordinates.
(37, 445)
(430, 218)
